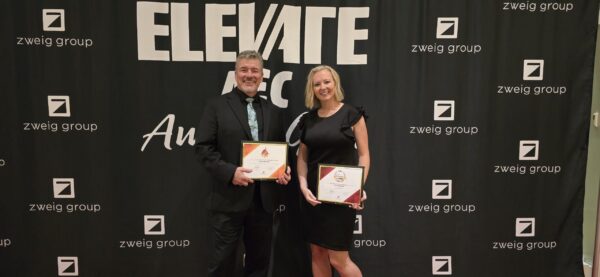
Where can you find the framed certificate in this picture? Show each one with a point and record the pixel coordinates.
(267, 160)
(340, 184)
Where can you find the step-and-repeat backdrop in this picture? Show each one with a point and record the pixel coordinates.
(478, 130)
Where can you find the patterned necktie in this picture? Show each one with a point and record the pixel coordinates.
(252, 119)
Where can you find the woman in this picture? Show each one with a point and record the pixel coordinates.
(329, 134)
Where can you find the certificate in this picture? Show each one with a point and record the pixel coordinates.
(340, 184)
(267, 160)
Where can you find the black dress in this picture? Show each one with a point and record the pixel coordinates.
(329, 140)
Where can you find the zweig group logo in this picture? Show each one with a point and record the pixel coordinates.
(59, 106)
(63, 190)
(361, 241)
(524, 238)
(533, 70)
(529, 150)
(443, 110)
(441, 189)
(154, 227)
(64, 187)
(534, 7)
(533, 84)
(53, 20)
(59, 114)
(446, 35)
(358, 225)
(525, 227)
(444, 113)
(447, 28)
(68, 266)
(55, 29)
(441, 265)
(529, 156)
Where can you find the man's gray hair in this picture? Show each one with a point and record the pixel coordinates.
(250, 55)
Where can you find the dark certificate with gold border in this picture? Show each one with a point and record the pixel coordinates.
(267, 160)
(341, 184)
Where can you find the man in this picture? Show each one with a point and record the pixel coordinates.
(239, 206)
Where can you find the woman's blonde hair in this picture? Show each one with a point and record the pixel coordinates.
(310, 100)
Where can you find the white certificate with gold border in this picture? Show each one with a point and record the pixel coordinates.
(268, 160)
(340, 184)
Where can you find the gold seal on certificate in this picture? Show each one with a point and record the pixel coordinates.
(267, 160)
(340, 184)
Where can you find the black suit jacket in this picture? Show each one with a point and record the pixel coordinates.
(222, 128)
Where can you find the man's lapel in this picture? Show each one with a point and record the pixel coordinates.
(239, 111)
(266, 115)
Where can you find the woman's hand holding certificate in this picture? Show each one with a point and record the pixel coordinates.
(340, 184)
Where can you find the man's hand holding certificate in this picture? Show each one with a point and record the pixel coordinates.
(340, 184)
(268, 160)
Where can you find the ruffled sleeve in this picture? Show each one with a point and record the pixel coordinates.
(353, 116)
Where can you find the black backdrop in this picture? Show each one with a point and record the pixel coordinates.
(478, 130)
